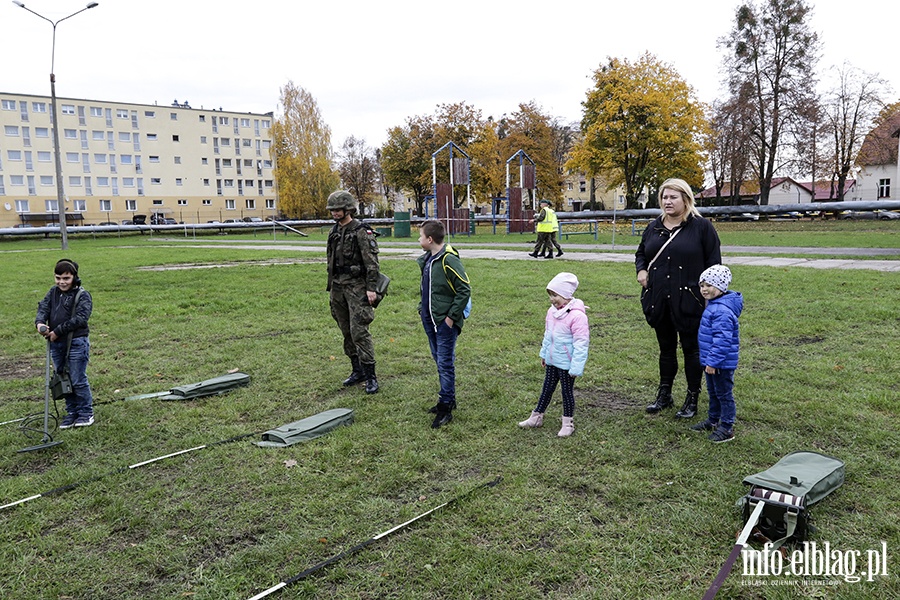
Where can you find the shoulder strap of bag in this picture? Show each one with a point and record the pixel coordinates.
(668, 241)
(71, 333)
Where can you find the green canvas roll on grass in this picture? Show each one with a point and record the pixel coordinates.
(209, 387)
(306, 429)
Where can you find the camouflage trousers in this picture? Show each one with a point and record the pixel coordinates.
(351, 309)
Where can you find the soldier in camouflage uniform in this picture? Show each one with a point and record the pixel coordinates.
(352, 279)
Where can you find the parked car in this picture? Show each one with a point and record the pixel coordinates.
(886, 215)
(127, 222)
(140, 219)
(169, 221)
(252, 220)
(854, 215)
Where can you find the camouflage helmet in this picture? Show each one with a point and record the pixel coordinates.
(342, 200)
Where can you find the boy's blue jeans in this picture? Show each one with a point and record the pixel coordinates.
(443, 349)
(721, 397)
(80, 402)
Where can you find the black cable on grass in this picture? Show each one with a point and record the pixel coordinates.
(371, 540)
(71, 486)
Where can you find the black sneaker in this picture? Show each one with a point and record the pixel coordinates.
(434, 409)
(706, 425)
(721, 435)
(67, 422)
(444, 415)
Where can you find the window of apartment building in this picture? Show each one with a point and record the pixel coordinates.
(267, 164)
(11, 130)
(203, 118)
(67, 109)
(100, 159)
(155, 181)
(250, 203)
(70, 134)
(131, 205)
(52, 206)
(223, 120)
(266, 123)
(16, 180)
(173, 116)
(75, 180)
(248, 183)
(96, 111)
(44, 156)
(122, 113)
(178, 181)
(269, 183)
(98, 135)
(229, 204)
(248, 162)
(245, 122)
(110, 141)
(270, 203)
(39, 107)
(41, 132)
(8, 104)
(266, 144)
(177, 160)
(228, 183)
(884, 188)
(206, 182)
(106, 206)
(72, 157)
(128, 182)
(47, 180)
(247, 143)
(22, 206)
(103, 182)
(582, 187)
(202, 139)
(204, 161)
(157, 203)
(226, 162)
(79, 205)
(125, 159)
(175, 138)
(125, 136)
(206, 202)
(151, 137)
(153, 159)
(14, 154)
(182, 202)
(225, 141)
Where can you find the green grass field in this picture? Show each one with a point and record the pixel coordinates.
(631, 506)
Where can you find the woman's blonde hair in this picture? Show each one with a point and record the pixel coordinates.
(680, 185)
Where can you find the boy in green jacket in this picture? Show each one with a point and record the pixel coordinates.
(444, 306)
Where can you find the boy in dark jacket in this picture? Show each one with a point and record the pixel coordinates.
(719, 340)
(444, 306)
(58, 317)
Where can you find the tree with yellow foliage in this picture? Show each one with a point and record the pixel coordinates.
(302, 154)
(641, 125)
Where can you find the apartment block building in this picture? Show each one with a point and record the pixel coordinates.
(120, 160)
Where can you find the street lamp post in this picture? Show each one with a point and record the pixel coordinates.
(60, 194)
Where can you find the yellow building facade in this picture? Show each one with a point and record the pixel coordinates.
(122, 160)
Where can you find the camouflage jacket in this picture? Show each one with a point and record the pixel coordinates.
(352, 254)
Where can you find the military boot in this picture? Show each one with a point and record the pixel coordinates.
(371, 380)
(357, 374)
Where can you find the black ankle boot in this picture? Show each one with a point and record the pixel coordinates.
(689, 410)
(371, 380)
(443, 416)
(663, 399)
(357, 374)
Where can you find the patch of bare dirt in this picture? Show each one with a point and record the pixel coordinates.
(18, 368)
(604, 400)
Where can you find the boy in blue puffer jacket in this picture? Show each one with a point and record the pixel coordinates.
(719, 339)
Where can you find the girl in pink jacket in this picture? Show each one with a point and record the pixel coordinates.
(563, 351)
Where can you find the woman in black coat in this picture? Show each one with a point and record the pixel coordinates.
(675, 249)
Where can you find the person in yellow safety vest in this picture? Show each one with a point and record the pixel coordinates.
(547, 226)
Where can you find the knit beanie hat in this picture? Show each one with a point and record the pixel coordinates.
(564, 284)
(718, 276)
(545, 201)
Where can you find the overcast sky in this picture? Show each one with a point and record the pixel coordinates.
(371, 64)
